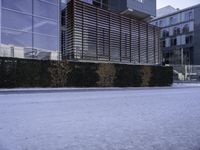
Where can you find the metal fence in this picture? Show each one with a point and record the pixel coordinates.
(96, 34)
(186, 72)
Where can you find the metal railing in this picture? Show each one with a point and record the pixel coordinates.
(186, 73)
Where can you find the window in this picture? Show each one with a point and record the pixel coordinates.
(17, 38)
(97, 4)
(163, 44)
(173, 42)
(189, 39)
(101, 3)
(188, 16)
(45, 9)
(176, 31)
(88, 1)
(167, 42)
(63, 18)
(173, 20)
(160, 23)
(52, 1)
(16, 21)
(30, 24)
(186, 28)
(141, 1)
(45, 42)
(44, 26)
(105, 2)
(165, 33)
(19, 5)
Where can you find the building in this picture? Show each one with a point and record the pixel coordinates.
(180, 35)
(29, 29)
(90, 33)
(137, 9)
(165, 11)
(56, 29)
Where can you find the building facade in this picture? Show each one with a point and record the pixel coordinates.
(52, 29)
(180, 36)
(95, 34)
(29, 29)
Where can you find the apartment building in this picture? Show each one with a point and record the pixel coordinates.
(180, 35)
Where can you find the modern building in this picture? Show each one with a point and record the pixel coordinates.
(94, 34)
(95, 30)
(29, 29)
(137, 9)
(180, 35)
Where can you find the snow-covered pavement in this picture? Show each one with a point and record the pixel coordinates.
(144, 119)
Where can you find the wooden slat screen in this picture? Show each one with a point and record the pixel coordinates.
(99, 35)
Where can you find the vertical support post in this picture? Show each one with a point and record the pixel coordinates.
(159, 49)
(147, 41)
(33, 41)
(103, 43)
(154, 45)
(182, 57)
(120, 38)
(125, 41)
(74, 54)
(82, 28)
(130, 40)
(139, 42)
(96, 34)
(109, 37)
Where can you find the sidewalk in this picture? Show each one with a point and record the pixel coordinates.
(91, 89)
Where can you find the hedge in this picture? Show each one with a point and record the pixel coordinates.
(43, 73)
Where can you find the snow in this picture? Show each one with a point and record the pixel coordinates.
(125, 119)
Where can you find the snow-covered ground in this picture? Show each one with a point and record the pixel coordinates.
(143, 119)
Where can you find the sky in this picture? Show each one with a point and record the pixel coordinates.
(177, 3)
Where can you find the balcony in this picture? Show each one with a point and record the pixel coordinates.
(137, 9)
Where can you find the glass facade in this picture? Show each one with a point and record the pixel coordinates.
(30, 29)
(98, 3)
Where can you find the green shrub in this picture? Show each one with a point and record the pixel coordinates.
(59, 71)
(37, 73)
(107, 75)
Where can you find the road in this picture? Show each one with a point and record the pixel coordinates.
(106, 119)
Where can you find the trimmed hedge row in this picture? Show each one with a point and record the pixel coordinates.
(39, 73)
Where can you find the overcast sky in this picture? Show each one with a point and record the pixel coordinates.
(177, 3)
